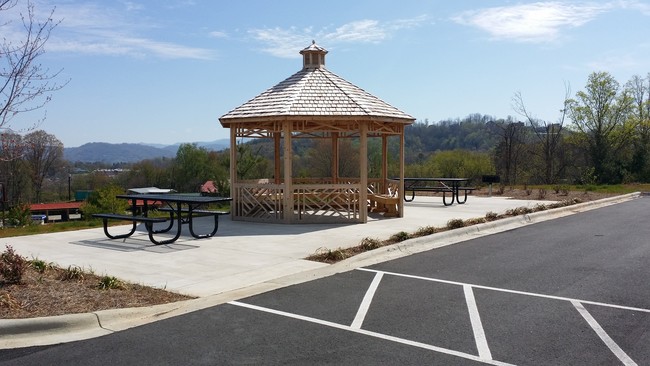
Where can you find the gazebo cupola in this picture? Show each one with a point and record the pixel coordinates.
(313, 57)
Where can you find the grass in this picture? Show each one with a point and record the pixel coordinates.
(8, 232)
(614, 189)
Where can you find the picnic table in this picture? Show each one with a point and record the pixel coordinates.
(438, 185)
(182, 209)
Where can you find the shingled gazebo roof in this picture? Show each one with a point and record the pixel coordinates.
(315, 92)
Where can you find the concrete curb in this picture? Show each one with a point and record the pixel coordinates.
(15, 333)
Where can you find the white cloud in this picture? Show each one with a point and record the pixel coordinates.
(642, 7)
(622, 61)
(283, 42)
(364, 31)
(91, 28)
(218, 34)
(536, 22)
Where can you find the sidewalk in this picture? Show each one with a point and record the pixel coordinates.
(242, 259)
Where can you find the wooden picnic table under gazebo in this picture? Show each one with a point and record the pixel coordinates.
(315, 103)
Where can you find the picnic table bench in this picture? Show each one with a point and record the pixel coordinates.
(187, 215)
(148, 221)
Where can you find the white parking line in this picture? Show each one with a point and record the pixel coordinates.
(508, 291)
(371, 334)
(477, 325)
(603, 335)
(365, 303)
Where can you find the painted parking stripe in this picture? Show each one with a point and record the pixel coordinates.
(614, 306)
(477, 325)
(371, 334)
(365, 303)
(603, 335)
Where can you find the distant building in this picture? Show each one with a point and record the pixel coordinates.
(209, 188)
(58, 211)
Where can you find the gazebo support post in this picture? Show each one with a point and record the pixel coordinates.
(363, 172)
(335, 157)
(287, 197)
(400, 205)
(384, 164)
(233, 169)
(276, 160)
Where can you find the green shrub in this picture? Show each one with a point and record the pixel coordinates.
(540, 207)
(12, 265)
(75, 273)
(110, 282)
(401, 236)
(455, 224)
(522, 211)
(40, 265)
(475, 221)
(20, 215)
(370, 243)
(426, 230)
(491, 216)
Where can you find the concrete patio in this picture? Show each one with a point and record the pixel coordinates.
(241, 254)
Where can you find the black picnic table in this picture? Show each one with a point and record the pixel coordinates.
(439, 185)
(182, 209)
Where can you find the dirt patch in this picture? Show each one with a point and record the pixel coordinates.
(49, 293)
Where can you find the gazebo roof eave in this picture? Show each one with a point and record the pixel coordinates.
(227, 121)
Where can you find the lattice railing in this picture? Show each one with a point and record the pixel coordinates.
(258, 202)
(311, 203)
(331, 203)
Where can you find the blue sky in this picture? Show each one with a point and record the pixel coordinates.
(164, 71)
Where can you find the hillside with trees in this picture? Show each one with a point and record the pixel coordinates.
(601, 136)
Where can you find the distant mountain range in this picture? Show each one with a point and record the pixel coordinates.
(130, 153)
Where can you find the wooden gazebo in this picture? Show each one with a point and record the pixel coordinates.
(314, 103)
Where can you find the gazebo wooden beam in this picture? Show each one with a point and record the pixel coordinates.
(335, 158)
(287, 197)
(277, 170)
(363, 172)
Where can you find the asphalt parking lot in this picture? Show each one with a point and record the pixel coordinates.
(562, 292)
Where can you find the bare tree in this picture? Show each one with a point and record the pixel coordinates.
(25, 84)
(44, 152)
(510, 149)
(548, 136)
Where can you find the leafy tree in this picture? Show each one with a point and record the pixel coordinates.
(105, 200)
(600, 116)
(191, 168)
(640, 92)
(44, 153)
(251, 164)
(13, 172)
(148, 173)
(453, 164)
